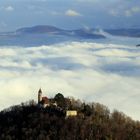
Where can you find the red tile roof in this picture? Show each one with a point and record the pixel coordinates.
(45, 100)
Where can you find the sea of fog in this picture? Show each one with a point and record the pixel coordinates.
(107, 72)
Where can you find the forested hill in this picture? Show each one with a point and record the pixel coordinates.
(94, 121)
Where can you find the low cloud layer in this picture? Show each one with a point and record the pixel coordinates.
(104, 73)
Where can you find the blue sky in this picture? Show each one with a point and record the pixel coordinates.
(69, 14)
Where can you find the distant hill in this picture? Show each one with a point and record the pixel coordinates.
(88, 33)
(46, 35)
(94, 122)
(92, 33)
(46, 29)
(39, 29)
(124, 32)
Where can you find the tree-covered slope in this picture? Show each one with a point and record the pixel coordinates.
(94, 122)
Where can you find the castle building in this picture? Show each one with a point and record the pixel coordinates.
(44, 101)
(71, 113)
(39, 95)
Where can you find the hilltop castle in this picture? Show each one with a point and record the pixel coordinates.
(45, 101)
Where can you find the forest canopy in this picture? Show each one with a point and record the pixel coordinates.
(94, 121)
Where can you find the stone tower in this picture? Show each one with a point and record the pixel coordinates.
(39, 95)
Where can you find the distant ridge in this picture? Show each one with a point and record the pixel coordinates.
(47, 29)
(47, 34)
(124, 32)
(91, 32)
(38, 29)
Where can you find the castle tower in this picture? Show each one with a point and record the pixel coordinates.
(39, 95)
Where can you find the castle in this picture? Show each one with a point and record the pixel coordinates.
(45, 101)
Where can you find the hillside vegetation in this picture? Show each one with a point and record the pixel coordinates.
(94, 121)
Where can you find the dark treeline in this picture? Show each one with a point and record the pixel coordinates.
(93, 122)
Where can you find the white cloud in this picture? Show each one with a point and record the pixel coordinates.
(113, 12)
(9, 8)
(131, 11)
(88, 1)
(135, 9)
(123, 11)
(128, 13)
(72, 13)
(90, 71)
(42, 0)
